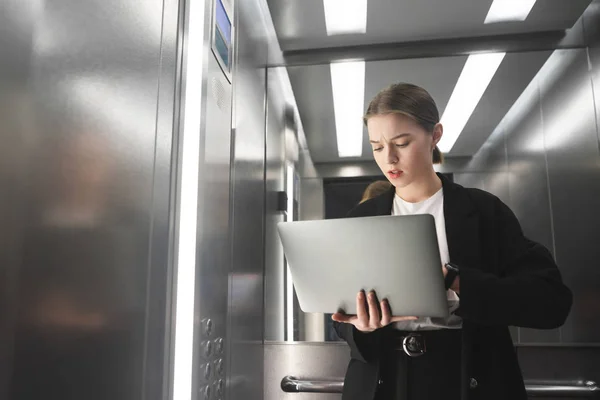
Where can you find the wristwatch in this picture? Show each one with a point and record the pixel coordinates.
(451, 275)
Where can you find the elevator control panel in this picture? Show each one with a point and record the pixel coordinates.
(212, 368)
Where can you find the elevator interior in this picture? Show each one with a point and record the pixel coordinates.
(149, 150)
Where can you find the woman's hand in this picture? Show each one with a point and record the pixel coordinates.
(370, 314)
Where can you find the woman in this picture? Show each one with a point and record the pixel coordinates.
(495, 276)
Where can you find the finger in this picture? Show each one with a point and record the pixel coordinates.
(361, 311)
(398, 319)
(345, 318)
(374, 314)
(386, 314)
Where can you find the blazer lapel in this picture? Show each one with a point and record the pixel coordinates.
(462, 225)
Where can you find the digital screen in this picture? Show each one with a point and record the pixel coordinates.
(223, 23)
(222, 48)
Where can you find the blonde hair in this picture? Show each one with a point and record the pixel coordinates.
(375, 189)
(412, 101)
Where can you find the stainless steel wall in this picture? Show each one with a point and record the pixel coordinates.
(275, 184)
(246, 286)
(544, 162)
(303, 360)
(87, 108)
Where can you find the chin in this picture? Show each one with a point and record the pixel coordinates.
(401, 182)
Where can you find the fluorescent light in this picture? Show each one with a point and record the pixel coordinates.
(348, 86)
(472, 83)
(289, 291)
(188, 206)
(509, 10)
(345, 16)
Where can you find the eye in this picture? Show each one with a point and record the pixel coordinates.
(402, 144)
(377, 148)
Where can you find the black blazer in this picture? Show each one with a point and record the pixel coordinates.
(505, 279)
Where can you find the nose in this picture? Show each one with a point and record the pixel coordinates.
(392, 156)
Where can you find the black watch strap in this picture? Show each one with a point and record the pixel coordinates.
(451, 275)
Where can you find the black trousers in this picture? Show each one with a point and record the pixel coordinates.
(433, 375)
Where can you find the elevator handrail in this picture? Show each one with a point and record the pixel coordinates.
(545, 388)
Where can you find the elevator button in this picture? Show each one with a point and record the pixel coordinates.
(219, 388)
(219, 367)
(206, 393)
(206, 371)
(207, 349)
(207, 327)
(473, 383)
(219, 345)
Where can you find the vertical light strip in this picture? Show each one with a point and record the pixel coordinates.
(348, 87)
(188, 204)
(344, 17)
(289, 291)
(509, 10)
(472, 83)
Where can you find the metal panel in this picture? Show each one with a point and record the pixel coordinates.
(548, 363)
(515, 73)
(15, 158)
(82, 131)
(529, 196)
(246, 311)
(275, 174)
(320, 360)
(214, 247)
(311, 199)
(159, 293)
(571, 145)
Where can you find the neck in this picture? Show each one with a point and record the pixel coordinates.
(421, 189)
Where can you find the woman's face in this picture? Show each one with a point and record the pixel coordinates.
(402, 148)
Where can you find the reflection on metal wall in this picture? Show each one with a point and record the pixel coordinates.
(86, 103)
(306, 360)
(571, 145)
(275, 184)
(213, 236)
(543, 161)
(246, 311)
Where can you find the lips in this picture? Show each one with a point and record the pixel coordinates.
(394, 174)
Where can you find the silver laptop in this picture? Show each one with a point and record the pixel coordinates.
(397, 256)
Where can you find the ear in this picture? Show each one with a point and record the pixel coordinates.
(438, 132)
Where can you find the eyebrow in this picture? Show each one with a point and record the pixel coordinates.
(401, 135)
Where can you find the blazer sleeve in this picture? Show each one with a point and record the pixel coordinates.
(364, 346)
(528, 292)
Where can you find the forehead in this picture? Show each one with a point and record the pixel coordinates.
(387, 125)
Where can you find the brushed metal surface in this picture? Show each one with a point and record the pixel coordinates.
(571, 144)
(542, 388)
(214, 245)
(16, 29)
(528, 184)
(160, 265)
(246, 287)
(303, 359)
(551, 149)
(275, 182)
(88, 82)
